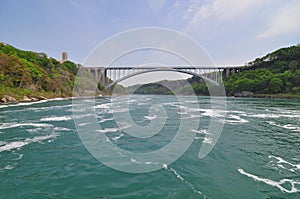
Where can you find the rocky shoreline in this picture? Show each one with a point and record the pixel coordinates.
(10, 99)
(7, 99)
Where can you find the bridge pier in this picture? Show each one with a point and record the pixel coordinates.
(103, 77)
(99, 73)
(230, 71)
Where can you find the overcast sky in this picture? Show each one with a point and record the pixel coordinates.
(233, 32)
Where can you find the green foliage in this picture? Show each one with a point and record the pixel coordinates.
(277, 72)
(296, 90)
(200, 88)
(70, 66)
(31, 73)
(275, 86)
(100, 87)
(153, 88)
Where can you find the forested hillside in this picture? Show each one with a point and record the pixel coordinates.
(275, 73)
(26, 74)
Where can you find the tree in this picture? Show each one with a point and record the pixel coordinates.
(275, 86)
(293, 65)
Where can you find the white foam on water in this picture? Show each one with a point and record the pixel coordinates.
(195, 116)
(274, 183)
(176, 104)
(19, 144)
(208, 140)
(104, 106)
(105, 119)
(9, 167)
(149, 162)
(190, 116)
(132, 101)
(281, 163)
(13, 145)
(164, 166)
(56, 118)
(212, 113)
(35, 130)
(191, 102)
(167, 168)
(14, 125)
(271, 115)
(57, 128)
(41, 138)
(36, 109)
(84, 124)
(178, 176)
(20, 155)
(238, 112)
(79, 116)
(134, 160)
(118, 137)
(107, 130)
(3, 106)
(119, 110)
(235, 119)
(287, 126)
(202, 131)
(150, 117)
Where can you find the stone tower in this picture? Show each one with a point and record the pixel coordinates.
(64, 57)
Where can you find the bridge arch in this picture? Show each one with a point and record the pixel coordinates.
(206, 79)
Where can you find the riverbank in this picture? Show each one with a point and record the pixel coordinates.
(248, 94)
(15, 95)
(279, 96)
(37, 98)
(11, 97)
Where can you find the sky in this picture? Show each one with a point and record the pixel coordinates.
(232, 32)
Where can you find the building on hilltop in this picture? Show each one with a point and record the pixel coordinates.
(64, 57)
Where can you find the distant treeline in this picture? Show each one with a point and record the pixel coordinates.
(275, 73)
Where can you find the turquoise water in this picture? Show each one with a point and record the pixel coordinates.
(256, 156)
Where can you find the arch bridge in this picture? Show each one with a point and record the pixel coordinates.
(109, 76)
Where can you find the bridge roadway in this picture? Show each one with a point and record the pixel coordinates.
(118, 73)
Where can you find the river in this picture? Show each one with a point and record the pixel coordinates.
(256, 156)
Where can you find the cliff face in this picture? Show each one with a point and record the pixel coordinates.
(26, 74)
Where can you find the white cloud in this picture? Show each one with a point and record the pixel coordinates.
(218, 10)
(156, 4)
(286, 21)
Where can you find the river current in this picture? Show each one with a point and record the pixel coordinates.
(257, 155)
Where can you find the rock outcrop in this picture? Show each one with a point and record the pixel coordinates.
(26, 99)
(8, 98)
